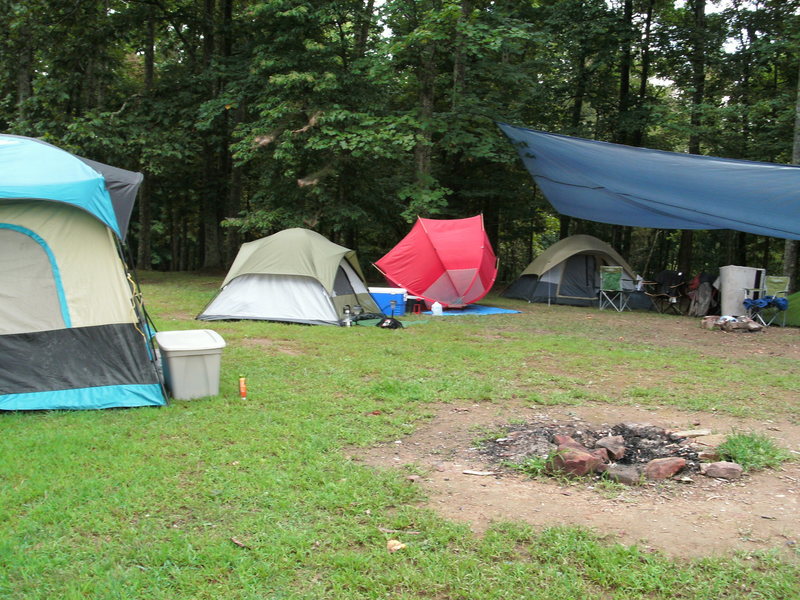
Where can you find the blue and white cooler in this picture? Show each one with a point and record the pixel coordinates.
(384, 296)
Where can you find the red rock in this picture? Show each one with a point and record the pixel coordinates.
(663, 468)
(574, 461)
(723, 470)
(568, 442)
(615, 444)
(602, 454)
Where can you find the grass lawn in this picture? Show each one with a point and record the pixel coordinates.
(224, 499)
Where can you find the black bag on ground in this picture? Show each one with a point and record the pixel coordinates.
(389, 323)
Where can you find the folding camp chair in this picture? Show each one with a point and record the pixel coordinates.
(768, 304)
(612, 294)
(666, 291)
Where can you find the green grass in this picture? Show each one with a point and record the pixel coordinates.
(534, 466)
(223, 499)
(753, 451)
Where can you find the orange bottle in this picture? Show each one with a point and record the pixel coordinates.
(242, 387)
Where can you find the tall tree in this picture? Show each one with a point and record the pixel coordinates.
(790, 246)
(697, 59)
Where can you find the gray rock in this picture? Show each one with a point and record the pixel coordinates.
(722, 470)
(642, 430)
(627, 474)
(691, 433)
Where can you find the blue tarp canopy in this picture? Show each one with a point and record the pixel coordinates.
(32, 169)
(624, 185)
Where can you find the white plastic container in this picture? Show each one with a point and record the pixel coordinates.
(191, 362)
(436, 309)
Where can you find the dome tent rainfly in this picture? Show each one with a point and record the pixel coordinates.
(449, 261)
(293, 276)
(568, 272)
(71, 326)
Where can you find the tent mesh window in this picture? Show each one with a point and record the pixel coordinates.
(342, 285)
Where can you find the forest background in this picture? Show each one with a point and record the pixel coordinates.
(353, 117)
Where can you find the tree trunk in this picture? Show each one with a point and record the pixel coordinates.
(623, 116)
(210, 207)
(24, 75)
(698, 61)
(637, 139)
(362, 30)
(422, 150)
(144, 258)
(580, 93)
(563, 226)
(790, 247)
(459, 67)
(740, 251)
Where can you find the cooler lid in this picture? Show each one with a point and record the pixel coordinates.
(192, 339)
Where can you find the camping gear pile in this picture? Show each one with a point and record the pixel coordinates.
(731, 324)
(778, 302)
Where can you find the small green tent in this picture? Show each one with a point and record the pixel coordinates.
(793, 312)
(295, 276)
(568, 272)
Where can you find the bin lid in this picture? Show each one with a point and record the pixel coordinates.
(191, 339)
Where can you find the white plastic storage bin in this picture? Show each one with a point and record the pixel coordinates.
(191, 362)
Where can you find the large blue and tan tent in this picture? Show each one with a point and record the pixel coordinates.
(71, 329)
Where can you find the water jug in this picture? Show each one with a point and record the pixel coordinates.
(436, 309)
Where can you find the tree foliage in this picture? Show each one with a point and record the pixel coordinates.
(352, 117)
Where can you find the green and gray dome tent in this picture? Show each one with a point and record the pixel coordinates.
(71, 327)
(568, 272)
(294, 276)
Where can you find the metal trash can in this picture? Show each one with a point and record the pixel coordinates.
(191, 362)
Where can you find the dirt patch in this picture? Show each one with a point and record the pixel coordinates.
(282, 346)
(673, 331)
(705, 517)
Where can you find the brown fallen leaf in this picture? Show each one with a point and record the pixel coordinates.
(239, 543)
(394, 545)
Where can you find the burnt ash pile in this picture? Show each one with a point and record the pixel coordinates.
(627, 452)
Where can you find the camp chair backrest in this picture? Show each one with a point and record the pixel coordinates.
(611, 278)
(776, 285)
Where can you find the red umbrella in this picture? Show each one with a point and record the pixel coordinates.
(446, 260)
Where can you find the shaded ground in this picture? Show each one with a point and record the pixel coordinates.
(706, 517)
(668, 330)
